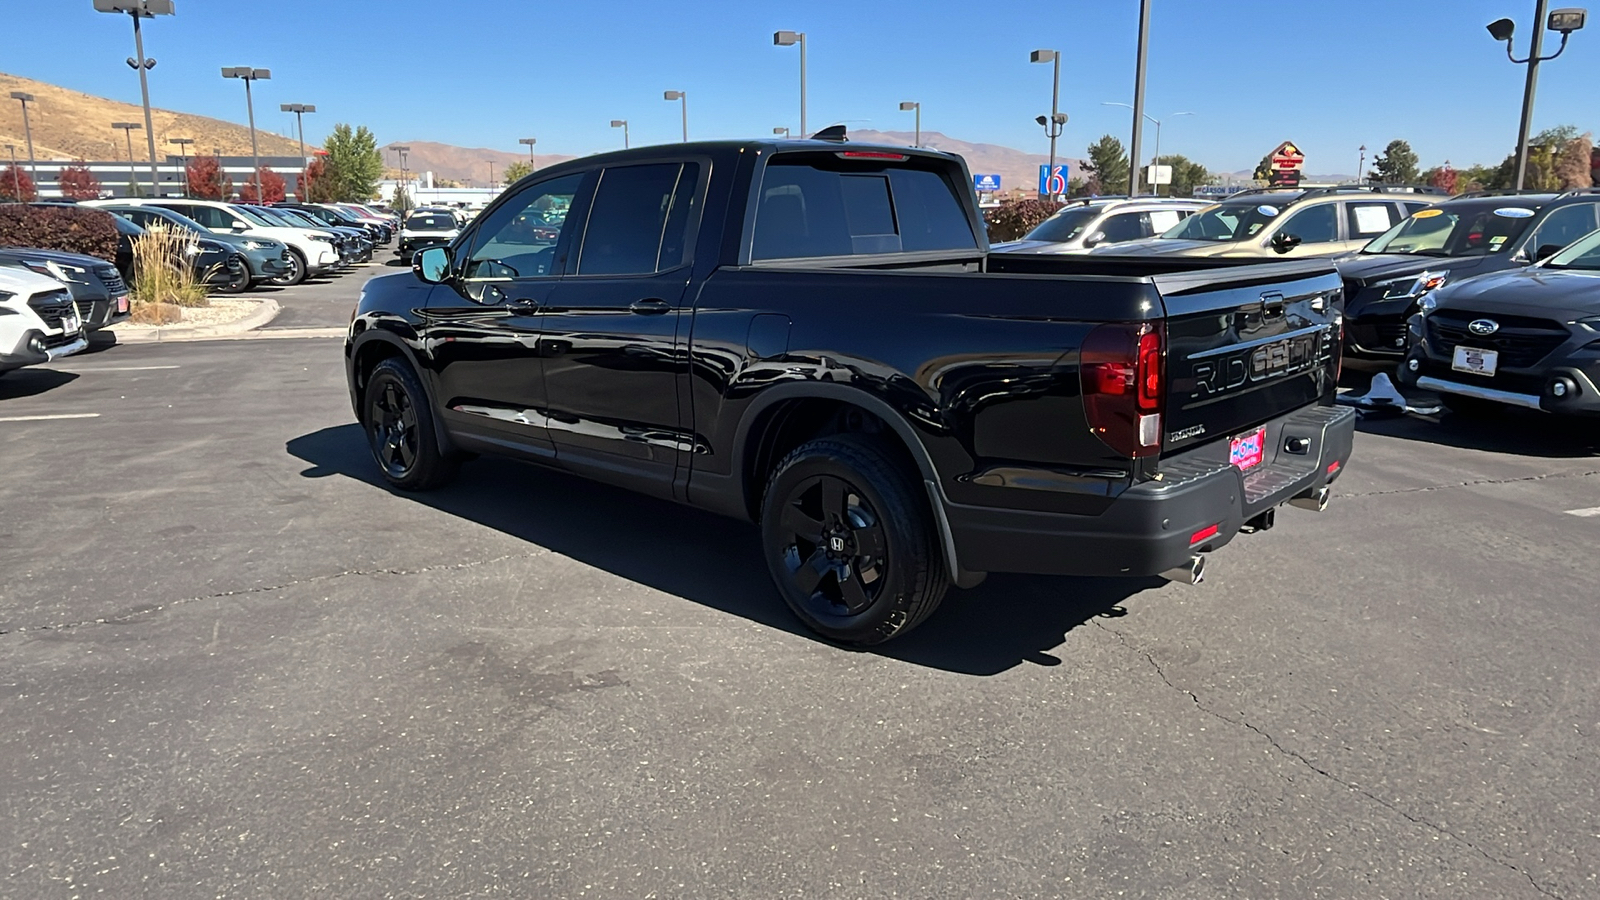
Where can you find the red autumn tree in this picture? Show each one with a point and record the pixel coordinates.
(272, 187)
(78, 183)
(16, 186)
(1445, 177)
(317, 187)
(206, 179)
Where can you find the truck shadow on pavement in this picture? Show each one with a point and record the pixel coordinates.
(1516, 432)
(716, 561)
(32, 381)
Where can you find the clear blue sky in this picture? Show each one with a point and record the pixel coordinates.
(1329, 76)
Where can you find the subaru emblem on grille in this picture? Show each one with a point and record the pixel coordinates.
(1483, 326)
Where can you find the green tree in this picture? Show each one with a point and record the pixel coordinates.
(1108, 165)
(1263, 170)
(1396, 165)
(1186, 175)
(517, 171)
(401, 201)
(354, 164)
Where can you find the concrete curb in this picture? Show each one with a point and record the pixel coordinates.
(264, 313)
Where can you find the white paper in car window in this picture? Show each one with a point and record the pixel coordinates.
(1163, 219)
(1372, 219)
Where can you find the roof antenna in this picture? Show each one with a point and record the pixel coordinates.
(833, 133)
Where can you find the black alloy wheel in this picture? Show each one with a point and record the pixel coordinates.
(392, 429)
(399, 425)
(296, 272)
(240, 280)
(849, 541)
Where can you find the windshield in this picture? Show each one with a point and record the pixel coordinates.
(431, 222)
(1584, 253)
(171, 218)
(297, 219)
(1224, 222)
(255, 216)
(1454, 232)
(1065, 225)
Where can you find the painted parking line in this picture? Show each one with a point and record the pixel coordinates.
(116, 369)
(48, 418)
(1585, 513)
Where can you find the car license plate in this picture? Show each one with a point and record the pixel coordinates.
(1247, 450)
(1475, 360)
(122, 304)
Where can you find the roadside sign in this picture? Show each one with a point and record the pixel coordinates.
(1053, 183)
(1158, 175)
(1216, 190)
(1287, 162)
(986, 184)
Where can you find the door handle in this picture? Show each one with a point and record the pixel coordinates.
(522, 306)
(650, 306)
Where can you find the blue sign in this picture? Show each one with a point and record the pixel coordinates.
(986, 184)
(1053, 183)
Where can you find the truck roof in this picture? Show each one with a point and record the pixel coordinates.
(725, 148)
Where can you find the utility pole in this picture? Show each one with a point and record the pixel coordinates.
(1138, 95)
(1565, 21)
(299, 109)
(248, 75)
(183, 159)
(1053, 125)
(127, 129)
(142, 9)
(27, 127)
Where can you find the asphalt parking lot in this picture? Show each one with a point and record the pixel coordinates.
(233, 665)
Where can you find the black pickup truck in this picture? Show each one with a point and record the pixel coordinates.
(814, 335)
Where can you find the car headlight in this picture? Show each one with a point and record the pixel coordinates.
(256, 245)
(192, 250)
(1428, 304)
(326, 239)
(1417, 286)
(58, 271)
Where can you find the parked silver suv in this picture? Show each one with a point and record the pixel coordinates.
(1100, 221)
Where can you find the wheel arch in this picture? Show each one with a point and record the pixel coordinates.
(371, 347)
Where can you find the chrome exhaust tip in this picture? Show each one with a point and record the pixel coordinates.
(1191, 572)
(1316, 500)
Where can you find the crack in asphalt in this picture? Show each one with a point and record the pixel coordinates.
(1461, 484)
(148, 609)
(1242, 723)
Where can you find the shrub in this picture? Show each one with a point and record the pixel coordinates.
(271, 185)
(162, 272)
(206, 179)
(1014, 218)
(16, 186)
(87, 231)
(78, 183)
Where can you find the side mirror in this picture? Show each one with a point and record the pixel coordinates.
(1283, 243)
(1095, 238)
(1546, 251)
(240, 226)
(431, 265)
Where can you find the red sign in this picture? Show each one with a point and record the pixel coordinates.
(1287, 162)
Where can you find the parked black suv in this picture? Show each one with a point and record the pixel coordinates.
(1464, 237)
(1528, 337)
(813, 335)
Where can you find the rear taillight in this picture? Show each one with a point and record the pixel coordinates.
(1121, 370)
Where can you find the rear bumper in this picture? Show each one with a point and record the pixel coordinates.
(1148, 530)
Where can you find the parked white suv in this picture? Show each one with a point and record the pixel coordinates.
(38, 321)
(311, 251)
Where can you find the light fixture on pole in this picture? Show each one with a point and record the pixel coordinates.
(141, 9)
(1154, 188)
(1565, 21)
(248, 75)
(789, 39)
(183, 159)
(529, 142)
(623, 124)
(783, 130)
(1057, 120)
(682, 97)
(299, 110)
(128, 128)
(908, 106)
(1361, 162)
(27, 127)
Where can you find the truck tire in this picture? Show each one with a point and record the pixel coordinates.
(850, 542)
(399, 426)
(296, 273)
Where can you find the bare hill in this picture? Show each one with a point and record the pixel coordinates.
(468, 165)
(1017, 169)
(72, 125)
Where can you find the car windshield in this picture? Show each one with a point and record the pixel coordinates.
(296, 219)
(1224, 222)
(1442, 231)
(257, 217)
(1584, 253)
(431, 222)
(1065, 225)
(176, 220)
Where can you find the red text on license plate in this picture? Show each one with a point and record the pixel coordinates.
(1247, 450)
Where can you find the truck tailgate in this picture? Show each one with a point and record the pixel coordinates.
(1245, 345)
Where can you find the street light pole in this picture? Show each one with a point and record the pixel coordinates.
(1154, 188)
(1053, 125)
(787, 39)
(1565, 21)
(183, 157)
(27, 127)
(1361, 162)
(623, 124)
(16, 174)
(530, 142)
(1138, 92)
(142, 9)
(682, 97)
(909, 105)
(248, 75)
(783, 130)
(300, 109)
(405, 182)
(128, 128)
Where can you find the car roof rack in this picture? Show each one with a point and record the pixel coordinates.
(1498, 192)
(1577, 192)
(1310, 192)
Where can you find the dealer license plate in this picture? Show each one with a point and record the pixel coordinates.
(122, 304)
(1247, 450)
(1475, 361)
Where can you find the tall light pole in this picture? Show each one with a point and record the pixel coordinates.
(623, 124)
(682, 97)
(141, 9)
(1361, 162)
(128, 128)
(299, 110)
(1154, 188)
(1053, 125)
(1565, 21)
(530, 142)
(27, 126)
(248, 75)
(908, 106)
(16, 174)
(183, 158)
(405, 182)
(491, 174)
(1134, 152)
(783, 130)
(789, 39)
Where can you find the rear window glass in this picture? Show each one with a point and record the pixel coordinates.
(811, 208)
(431, 222)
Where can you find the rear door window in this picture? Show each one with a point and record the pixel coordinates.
(1314, 225)
(1564, 225)
(638, 219)
(1368, 220)
(1124, 227)
(811, 207)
